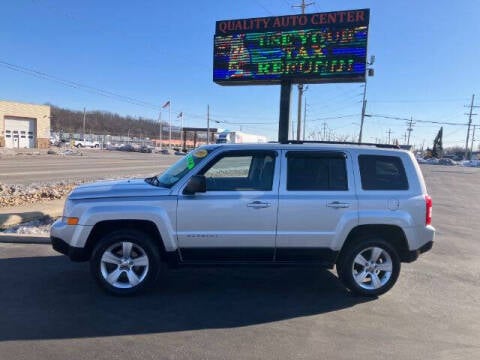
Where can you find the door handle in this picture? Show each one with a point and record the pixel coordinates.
(338, 205)
(258, 205)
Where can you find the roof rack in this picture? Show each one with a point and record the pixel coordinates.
(386, 146)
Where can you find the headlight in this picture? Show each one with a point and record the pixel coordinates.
(67, 208)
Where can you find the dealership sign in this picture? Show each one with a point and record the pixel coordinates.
(304, 48)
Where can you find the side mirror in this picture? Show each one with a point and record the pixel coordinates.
(197, 183)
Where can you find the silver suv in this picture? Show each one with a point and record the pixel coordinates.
(362, 208)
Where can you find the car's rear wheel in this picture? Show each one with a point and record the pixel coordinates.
(369, 267)
(125, 262)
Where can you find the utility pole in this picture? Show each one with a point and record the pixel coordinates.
(303, 6)
(364, 106)
(208, 124)
(304, 118)
(473, 139)
(84, 117)
(410, 129)
(389, 132)
(470, 114)
(368, 72)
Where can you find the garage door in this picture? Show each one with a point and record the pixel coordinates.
(19, 133)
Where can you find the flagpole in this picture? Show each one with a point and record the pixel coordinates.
(181, 132)
(170, 122)
(160, 127)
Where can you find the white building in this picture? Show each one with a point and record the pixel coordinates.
(24, 125)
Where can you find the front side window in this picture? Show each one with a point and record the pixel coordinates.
(241, 171)
(316, 171)
(382, 173)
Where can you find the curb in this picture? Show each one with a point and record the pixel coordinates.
(24, 239)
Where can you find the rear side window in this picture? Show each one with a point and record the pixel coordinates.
(316, 171)
(382, 173)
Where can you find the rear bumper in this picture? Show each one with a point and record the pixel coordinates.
(74, 253)
(414, 254)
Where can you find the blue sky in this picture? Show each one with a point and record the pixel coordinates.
(427, 64)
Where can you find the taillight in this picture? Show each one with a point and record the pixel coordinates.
(428, 216)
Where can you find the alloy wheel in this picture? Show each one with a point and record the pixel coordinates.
(372, 268)
(124, 265)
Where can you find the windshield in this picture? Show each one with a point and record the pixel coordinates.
(178, 170)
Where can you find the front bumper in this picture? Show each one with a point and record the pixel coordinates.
(70, 240)
(74, 253)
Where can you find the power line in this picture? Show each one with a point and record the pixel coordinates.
(239, 117)
(344, 97)
(416, 120)
(218, 120)
(242, 123)
(415, 101)
(336, 111)
(334, 117)
(288, 3)
(263, 7)
(79, 86)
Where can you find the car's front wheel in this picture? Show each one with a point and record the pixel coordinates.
(369, 267)
(125, 262)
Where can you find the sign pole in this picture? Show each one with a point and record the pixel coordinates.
(208, 124)
(284, 119)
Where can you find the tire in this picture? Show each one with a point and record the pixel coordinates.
(125, 262)
(79, 146)
(369, 267)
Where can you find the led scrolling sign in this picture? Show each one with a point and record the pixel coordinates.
(305, 48)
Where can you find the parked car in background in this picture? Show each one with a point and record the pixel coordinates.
(145, 149)
(447, 161)
(126, 147)
(471, 163)
(86, 143)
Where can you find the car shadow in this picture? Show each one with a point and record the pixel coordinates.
(51, 298)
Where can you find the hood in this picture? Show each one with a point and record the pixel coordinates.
(117, 188)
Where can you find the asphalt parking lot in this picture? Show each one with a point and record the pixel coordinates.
(51, 309)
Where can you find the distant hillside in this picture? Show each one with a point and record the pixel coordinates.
(102, 123)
